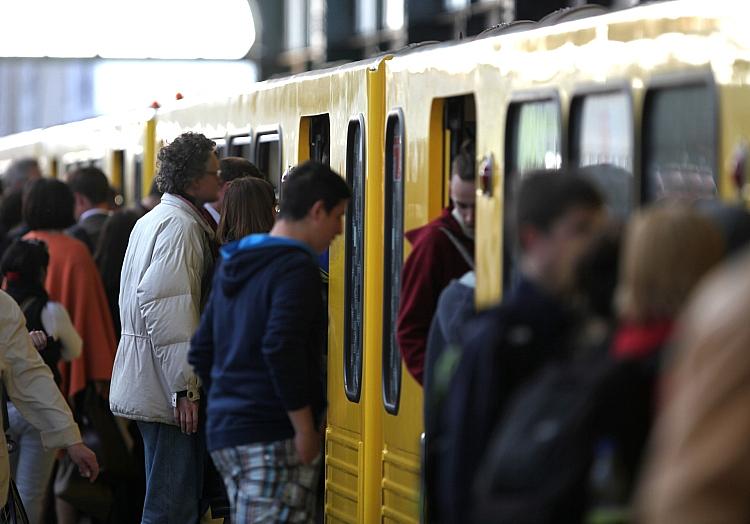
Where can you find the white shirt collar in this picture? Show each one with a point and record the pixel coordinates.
(214, 214)
(93, 211)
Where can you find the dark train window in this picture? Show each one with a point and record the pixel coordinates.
(679, 143)
(320, 138)
(355, 260)
(268, 157)
(240, 146)
(602, 145)
(459, 129)
(393, 257)
(533, 132)
(137, 178)
(221, 147)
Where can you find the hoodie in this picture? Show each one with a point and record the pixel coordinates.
(434, 261)
(258, 349)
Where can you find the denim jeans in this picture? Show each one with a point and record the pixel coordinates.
(174, 474)
(30, 465)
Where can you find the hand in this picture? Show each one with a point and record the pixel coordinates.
(186, 415)
(307, 445)
(85, 459)
(39, 339)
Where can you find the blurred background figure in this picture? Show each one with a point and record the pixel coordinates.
(248, 208)
(699, 464)
(19, 173)
(109, 256)
(151, 200)
(14, 180)
(90, 188)
(231, 168)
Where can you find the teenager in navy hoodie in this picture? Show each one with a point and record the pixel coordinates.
(258, 352)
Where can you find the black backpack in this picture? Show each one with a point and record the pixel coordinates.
(537, 463)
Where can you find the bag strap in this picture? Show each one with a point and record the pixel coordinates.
(460, 247)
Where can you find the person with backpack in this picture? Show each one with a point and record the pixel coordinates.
(556, 215)
(24, 268)
(442, 250)
(569, 444)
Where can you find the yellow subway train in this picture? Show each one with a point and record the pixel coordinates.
(652, 101)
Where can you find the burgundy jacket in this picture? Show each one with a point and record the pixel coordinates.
(433, 263)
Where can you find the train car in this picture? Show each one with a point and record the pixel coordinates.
(651, 102)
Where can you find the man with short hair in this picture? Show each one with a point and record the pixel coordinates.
(165, 283)
(557, 213)
(231, 168)
(258, 352)
(90, 188)
(442, 251)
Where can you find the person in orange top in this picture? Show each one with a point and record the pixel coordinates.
(73, 280)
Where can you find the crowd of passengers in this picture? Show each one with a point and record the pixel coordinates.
(175, 351)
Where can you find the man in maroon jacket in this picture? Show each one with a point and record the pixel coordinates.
(443, 250)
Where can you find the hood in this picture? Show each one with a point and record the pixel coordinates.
(244, 258)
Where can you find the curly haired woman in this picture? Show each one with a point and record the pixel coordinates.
(165, 278)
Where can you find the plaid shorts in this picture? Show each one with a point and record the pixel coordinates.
(268, 483)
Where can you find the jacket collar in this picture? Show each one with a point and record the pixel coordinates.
(171, 200)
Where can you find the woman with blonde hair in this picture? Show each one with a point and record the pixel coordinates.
(249, 208)
(667, 250)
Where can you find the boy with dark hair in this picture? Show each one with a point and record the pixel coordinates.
(90, 188)
(556, 215)
(258, 353)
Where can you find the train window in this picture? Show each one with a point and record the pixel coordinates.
(137, 178)
(221, 147)
(534, 136)
(679, 143)
(355, 260)
(602, 145)
(459, 132)
(240, 146)
(268, 157)
(393, 257)
(319, 138)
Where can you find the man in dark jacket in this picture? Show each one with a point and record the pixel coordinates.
(442, 250)
(258, 352)
(556, 215)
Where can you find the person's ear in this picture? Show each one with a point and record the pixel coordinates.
(318, 210)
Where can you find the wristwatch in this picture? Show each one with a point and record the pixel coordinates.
(178, 395)
(192, 394)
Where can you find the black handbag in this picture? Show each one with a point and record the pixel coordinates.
(13, 512)
(99, 432)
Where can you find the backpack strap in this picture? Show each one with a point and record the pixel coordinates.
(468, 258)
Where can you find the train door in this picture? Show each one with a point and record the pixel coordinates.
(344, 447)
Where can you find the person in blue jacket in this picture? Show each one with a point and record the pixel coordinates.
(258, 352)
